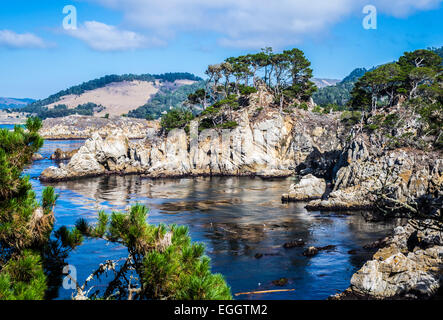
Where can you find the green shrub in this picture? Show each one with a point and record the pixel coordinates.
(167, 263)
(350, 118)
(229, 125)
(175, 119)
(317, 109)
(303, 106)
(244, 90)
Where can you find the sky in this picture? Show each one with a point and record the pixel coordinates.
(45, 49)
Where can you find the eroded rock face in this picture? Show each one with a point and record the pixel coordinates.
(271, 146)
(404, 268)
(98, 156)
(83, 127)
(63, 155)
(361, 171)
(308, 188)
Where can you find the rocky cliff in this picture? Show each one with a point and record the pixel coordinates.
(82, 127)
(372, 169)
(266, 142)
(362, 171)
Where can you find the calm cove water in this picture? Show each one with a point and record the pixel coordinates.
(7, 126)
(235, 218)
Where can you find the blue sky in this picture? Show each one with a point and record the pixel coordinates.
(38, 57)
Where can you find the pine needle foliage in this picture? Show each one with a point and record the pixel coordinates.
(167, 264)
(27, 254)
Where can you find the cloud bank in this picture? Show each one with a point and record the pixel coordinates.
(252, 23)
(102, 37)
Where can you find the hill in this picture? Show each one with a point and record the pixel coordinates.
(112, 95)
(339, 93)
(322, 83)
(13, 103)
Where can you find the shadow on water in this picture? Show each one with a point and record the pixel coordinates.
(241, 221)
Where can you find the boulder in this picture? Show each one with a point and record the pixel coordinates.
(37, 157)
(310, 252)
(308, 188)
(63, 155)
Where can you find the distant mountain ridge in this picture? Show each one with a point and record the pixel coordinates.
(322, 82)
(340, 93)
(14, 103)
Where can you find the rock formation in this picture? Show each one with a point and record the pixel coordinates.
(269, 144)
(308, 188)
(404, 172)
(63, 155)
(407, 267)
(82, 127)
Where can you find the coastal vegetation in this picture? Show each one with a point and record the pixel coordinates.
(62, 110)
(32, 254)
(230, 83)
(392, 95)
(162, 262)
(31, 261)
(340, 94)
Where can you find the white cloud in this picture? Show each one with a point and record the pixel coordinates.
(12, 39)
(404, 8)
(246, 23)
(102, 37)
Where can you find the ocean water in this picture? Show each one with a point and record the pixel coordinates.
(235, 218)
(7, 126)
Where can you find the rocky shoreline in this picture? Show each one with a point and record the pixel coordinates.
(337, 170)
(77, 127)
(362, 172)
(408, 266)
(266, 144)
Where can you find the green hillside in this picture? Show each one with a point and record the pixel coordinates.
(340, 93)
(164, 100)
(166, 95)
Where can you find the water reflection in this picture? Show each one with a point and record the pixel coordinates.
(241, 221)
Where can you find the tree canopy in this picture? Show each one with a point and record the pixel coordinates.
(30, 260)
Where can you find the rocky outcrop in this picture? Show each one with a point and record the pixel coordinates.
(408, 267)
(269, 145)
(83, 127)
(361, 172)
(63, 155)
(308, 188)
(37, 157)
(96, 157)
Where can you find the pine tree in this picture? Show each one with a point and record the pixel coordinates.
(28, 266)
(162, 263)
